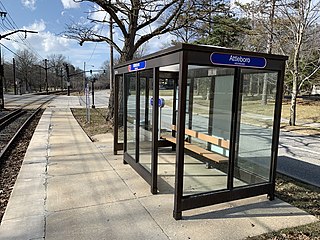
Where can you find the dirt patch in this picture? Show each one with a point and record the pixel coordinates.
(97, 124)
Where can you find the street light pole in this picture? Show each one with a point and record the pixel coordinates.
(92, 90)
(111, 54)
(61, 76)
(1, 83)
(86, 92)
(14, 76)
(68, 79)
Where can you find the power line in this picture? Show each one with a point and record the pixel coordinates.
(14, 26)
(94, 49)
(10, 50)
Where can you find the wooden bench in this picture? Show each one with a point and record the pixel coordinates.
(216, 157)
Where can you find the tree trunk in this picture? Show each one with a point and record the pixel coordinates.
(250, 91)
(269, 51)
(293, 105)
(265, 90)
(127, 54)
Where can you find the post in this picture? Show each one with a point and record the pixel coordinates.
(84, 77)
(111, 54)
(40, 79)
(61, 76)
(1, 83)
(46, 69)
(14, 76)
(92, 90)
(68, 80)
(87, 100)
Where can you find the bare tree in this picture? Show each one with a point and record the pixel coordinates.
(104, 76)
(56, 63)
(262, 15)
(289, 27)
(8, 77)
(136, 22)
(299, 20)
(25, 64)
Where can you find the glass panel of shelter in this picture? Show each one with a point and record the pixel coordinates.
(119, 111)
(131, 93)
(207, 130)
(253, 162)
(139, 106)
(145, 118)
(208, 126)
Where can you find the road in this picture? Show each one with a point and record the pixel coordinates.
(299, 155)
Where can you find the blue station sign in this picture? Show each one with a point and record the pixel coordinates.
(238, 60)
(137, 66)
(161, 102)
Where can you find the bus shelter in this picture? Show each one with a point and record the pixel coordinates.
(201, 122)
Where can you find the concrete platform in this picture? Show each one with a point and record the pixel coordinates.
(71, 188)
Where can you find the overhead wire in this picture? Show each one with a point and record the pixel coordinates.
(95, 47)
(10, 50)
(18, 37)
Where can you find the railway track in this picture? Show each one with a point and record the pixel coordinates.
(17, 126)
(15, 121)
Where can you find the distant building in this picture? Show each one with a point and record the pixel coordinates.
(315, 89)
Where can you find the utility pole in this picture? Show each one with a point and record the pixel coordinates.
(46, 69)
(68, 80)
(92, 90)
(111, 54)
(3, 15)
(40, 80)
(14, 76)
(1, 83)
(61, 76)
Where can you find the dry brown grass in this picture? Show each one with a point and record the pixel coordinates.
(98, 123)
(307, 111)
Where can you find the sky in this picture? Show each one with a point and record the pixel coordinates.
(49, 19)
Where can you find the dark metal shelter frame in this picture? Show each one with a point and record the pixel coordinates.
(229, 83)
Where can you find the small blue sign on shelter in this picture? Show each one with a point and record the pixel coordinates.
(137, 66)
(161, 102)
(238, 60)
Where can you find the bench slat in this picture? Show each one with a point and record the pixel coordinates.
(199, 150)
(211, 139)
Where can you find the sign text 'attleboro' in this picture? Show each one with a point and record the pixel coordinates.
(238, 60)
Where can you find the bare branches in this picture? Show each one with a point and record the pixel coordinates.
(136, 21)
(83, 33)
(157, 13)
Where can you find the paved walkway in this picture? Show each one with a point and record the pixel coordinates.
(71, 188)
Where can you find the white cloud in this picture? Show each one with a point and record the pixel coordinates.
(44, 42)
(31, 4)
(98, 14)
(67, 4)
(38, 26)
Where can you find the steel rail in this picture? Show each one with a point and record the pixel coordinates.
(12, 140)
(22, 127)
(7, 119)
